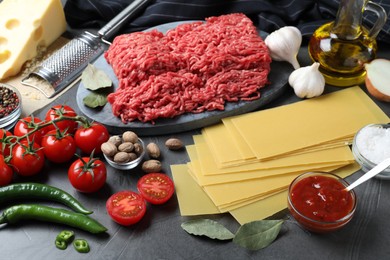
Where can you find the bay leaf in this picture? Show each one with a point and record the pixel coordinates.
(94, 100)
(208, 228)
(94, 78)
(256, 235)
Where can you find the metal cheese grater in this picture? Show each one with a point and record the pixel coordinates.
(66, 64)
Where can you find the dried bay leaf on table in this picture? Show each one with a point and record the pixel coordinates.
(94, 78)
(256, 235)
(207, 227)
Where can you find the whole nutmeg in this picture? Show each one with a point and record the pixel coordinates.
(126, 147)
(151, 166)
(121, 157)
(174, 144)
(130, 136)
(109, 149)
(115, 139)
(153, 150)
(138, 149)
(132, 156)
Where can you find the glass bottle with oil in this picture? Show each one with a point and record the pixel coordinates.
(343, 46)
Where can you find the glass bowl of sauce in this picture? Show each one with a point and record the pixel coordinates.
(319, 202)
(371, 145)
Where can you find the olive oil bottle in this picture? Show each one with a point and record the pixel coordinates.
(343, 46)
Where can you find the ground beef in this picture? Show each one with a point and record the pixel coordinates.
(195, 67)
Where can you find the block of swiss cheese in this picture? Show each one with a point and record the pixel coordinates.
(25, 26)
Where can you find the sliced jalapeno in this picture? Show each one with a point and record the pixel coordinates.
(66, 236)
(63, 239)
(61, 244)
(81, 245)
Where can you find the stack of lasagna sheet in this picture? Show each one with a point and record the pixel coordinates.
(245, 164)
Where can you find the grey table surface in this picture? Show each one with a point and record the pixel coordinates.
(159, 234)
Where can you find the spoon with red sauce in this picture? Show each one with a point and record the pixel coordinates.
(368, 175)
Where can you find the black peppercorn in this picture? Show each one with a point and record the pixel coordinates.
(9, 101)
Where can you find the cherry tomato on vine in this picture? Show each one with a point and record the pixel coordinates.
(58, 146)
(90, 138)
(6, 172)
(27, 158)
(62, 110)
(28, 124)
(87, 174)
(5, 141)
(156, 188)
(126, 207)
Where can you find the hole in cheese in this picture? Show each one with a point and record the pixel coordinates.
(12, 24)
(3, 42)
(4, 56)
(38, 33)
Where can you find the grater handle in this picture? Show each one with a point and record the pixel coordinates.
(116, 23)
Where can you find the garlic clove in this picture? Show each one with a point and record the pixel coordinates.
(308, 81)
(284, 44)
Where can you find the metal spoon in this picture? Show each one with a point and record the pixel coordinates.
(371, 173)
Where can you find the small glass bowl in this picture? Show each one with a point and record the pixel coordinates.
(128, 165)
(358, 153)
(314, 225)
(10, 120)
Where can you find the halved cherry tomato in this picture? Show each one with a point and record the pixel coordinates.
(58, 146)
(126, 207)
(6, 172)
(62, 110)
(27, 158)
(156, 188)
(90, 138)
(28, 124)
(87, 174)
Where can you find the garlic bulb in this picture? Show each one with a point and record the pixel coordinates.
(284, 44)
(307, 82)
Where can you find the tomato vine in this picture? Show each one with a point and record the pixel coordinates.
(35, 140)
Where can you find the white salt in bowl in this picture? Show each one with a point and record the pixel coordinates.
(371, 145)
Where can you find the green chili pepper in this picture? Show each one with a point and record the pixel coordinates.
(63, 239)
(40, 191)
(44, 213)
(61, 244)
(66, 236)
(81, 245)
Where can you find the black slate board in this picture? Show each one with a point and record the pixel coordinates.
(278, 78)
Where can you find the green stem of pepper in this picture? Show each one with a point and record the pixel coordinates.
(40, 191)
(17, 213)
(81, 245)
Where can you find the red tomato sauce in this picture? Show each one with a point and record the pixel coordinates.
(321, 198)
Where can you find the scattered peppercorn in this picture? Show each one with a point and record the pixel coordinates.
(9, 101)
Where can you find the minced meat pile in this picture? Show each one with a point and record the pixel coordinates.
(193, 68)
